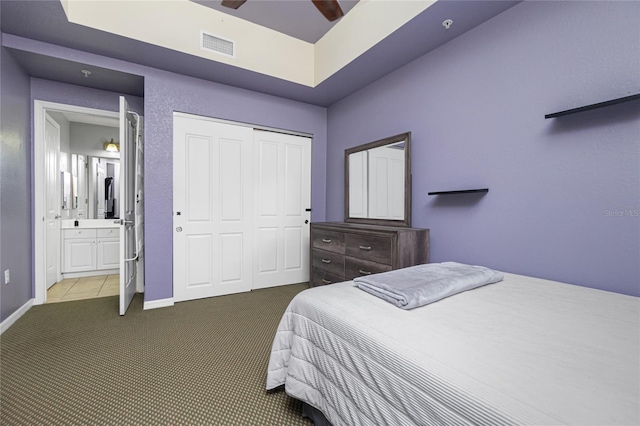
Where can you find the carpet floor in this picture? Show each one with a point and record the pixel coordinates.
(199, 362)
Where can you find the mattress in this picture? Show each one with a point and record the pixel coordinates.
(521, 351)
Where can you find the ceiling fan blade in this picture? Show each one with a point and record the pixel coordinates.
(329, 8)
(233, 4)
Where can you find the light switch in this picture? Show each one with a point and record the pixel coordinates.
(7, 277)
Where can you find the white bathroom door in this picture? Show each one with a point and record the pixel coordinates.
(126, 206)
(53, 200)
(282, 201)
(212, 201)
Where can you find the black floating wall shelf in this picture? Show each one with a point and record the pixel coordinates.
(594, 106)
(462, 191)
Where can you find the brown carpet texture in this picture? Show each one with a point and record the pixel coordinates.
(202, 362)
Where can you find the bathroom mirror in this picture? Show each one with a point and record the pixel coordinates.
(96, 187)
(67, 196)
(378, 182)
(74, 192)
(104, 188)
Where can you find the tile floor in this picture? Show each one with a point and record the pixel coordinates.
(84, 288)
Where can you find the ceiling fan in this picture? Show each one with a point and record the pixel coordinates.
(329, 8)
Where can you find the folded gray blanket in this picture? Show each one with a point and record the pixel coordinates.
(420, 285)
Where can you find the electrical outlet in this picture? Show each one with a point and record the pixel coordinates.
(7, 277)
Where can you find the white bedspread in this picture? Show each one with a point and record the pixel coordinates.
(521, 351)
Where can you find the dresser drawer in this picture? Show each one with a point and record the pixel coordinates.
(328, 240)
(370, 247)
(328, 261)
(359, 267)
(108, 232)
(322, 277)
(344, 251)
(79, 233)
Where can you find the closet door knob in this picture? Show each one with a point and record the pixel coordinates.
(179, 229)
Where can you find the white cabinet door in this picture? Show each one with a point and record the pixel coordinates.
(108, 253)
(90, 249)
(108, 248)
(79, 255)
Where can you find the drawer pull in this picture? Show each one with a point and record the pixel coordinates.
(325, 240)
(326, 281)
(364, 272)
(326, 261)
(365, 247)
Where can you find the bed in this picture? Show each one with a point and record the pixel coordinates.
(523, 351)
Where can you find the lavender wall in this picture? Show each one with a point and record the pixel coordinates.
(564, 193)
(15, 182)
(165, 93)
(51, 91)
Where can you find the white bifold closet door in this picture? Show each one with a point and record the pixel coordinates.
(221, 244)
(282, 200)
(212, 197)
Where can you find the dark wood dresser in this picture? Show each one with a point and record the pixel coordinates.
(343, 251)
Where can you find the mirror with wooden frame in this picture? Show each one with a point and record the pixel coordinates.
(378, 182)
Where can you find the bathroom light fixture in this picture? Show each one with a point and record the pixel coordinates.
(111, 146)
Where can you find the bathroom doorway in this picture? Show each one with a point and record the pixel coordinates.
(78, 185)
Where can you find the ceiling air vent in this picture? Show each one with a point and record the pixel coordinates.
(217, 44)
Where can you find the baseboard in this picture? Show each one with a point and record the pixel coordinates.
(91, 273)
(8, 322)
(160, 303)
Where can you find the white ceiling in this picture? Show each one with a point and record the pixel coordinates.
(97, 120)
